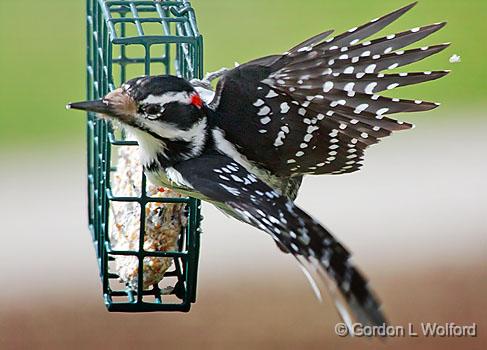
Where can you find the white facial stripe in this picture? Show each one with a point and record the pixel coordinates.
(172, 132)
(150, 146)
(168, 97)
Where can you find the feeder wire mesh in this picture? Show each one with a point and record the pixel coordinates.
(126, 39)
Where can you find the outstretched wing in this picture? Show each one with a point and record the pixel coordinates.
(315, 108)
(222, 180)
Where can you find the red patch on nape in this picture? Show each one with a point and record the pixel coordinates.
(196, 100)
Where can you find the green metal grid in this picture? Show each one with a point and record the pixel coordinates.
(126, 39)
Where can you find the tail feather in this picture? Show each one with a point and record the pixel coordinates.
(327, 266)
(348, 289)
(325, 260)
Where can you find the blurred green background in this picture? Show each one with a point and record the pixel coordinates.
(42, 53)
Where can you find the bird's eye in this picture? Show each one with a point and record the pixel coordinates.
(153, 111)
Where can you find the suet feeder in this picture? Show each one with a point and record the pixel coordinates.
(126, 39)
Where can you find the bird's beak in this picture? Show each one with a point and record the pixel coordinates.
(116, 104)
(97, 106)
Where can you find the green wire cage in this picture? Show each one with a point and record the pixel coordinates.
(126, 39)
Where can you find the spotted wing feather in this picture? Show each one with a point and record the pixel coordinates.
(356, 34)
(315, 109)
(326, 55)
(308, 43)
(222, 180)
(368, 83)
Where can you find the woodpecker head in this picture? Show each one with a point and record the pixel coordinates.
(156, 109)
(155, 104)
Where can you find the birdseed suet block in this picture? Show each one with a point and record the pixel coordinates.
(163, 223)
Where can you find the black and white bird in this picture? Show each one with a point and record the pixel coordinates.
(309, 111)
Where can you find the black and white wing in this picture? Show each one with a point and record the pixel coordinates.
(315, 108)
(223, 181)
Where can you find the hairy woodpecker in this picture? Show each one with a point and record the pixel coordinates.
(311, 110)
